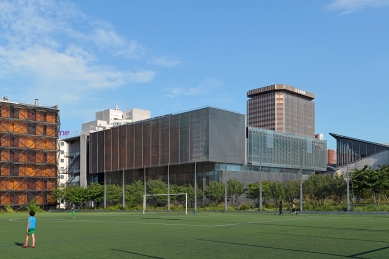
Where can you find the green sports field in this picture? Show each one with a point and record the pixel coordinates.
(202, 235)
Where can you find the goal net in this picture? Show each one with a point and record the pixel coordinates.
(167, 195)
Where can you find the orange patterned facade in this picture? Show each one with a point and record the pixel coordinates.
(28, 153)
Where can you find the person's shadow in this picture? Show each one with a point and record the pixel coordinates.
(18, 244)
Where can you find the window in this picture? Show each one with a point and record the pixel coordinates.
(62, 152)
(62, 176)
(62, 160)
(62, 143)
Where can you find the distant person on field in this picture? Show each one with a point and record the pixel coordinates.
(280, 208)
(31, 225)
(294, 209)
(73, 215)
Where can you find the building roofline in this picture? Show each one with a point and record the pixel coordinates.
(336, 136)
(278, 88)
(69, 139)
(177, 113)
(55, 107)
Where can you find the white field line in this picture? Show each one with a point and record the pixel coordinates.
(170, 224)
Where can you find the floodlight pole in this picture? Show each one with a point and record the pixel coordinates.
(144, 180)
(301, 180)
(168, 187)
(195, 189)
(225, 184)
(260, 180)
(204, 183)
(105, 190)
(348, 180)
(123, 193)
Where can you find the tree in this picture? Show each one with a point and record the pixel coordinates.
(58, 194)
(75, 194)
(95, 192)
(215, 192)
(178, 189)
(292, 190)
(235, 188)
(379, 182)
(277, 191)
(252, 191)
(189, 189)
(114, 193)
(338, 187)
(157, 187)
(134, 193)
(316, 187)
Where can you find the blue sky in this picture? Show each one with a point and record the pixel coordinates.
(173, 56)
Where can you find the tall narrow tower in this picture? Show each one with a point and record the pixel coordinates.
(282, 108)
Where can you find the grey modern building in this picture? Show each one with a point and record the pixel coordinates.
(213, 142)
(181, 143)
(282, 108)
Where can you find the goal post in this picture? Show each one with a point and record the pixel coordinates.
(171, 194)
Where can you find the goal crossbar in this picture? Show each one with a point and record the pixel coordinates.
(171, 194)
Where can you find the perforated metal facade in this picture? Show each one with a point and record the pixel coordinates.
(203, 135)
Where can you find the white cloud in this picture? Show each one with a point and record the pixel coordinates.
(349, 6)
(132, 50)
(165, 62)
(204, 88)
(106, 38)
(42, 41)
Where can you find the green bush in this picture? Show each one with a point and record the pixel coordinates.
(115, 207)
(9, 208)
(244, 207)
(177, 207)
(33, 206)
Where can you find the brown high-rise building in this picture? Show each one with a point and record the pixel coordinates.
(331, 157)
(282, 108)
(28, 153)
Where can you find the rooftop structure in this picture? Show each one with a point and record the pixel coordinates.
(114, 117)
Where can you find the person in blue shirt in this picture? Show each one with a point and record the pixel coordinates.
(31, 225)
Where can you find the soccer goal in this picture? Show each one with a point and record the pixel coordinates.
(172, 194)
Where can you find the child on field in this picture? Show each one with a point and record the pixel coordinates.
(31, 225)
(73, 215)
(294, 209)
(280, 209)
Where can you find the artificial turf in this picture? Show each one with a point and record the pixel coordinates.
(202, 235)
